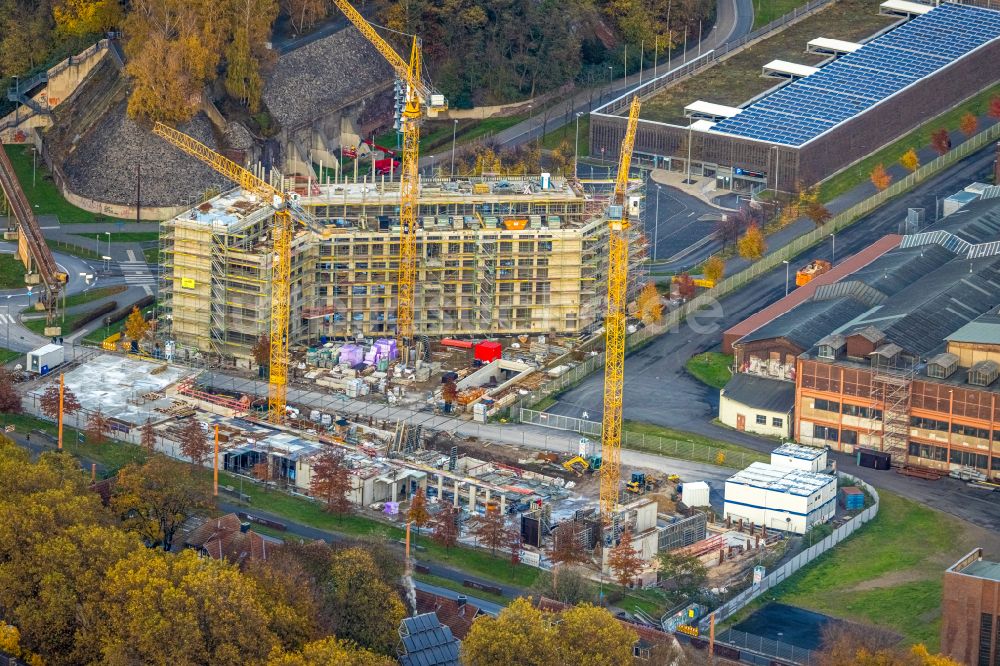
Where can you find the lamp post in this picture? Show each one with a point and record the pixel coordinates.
(785, 262)
(454, 130)
(656, 222)
(108, 234)
(34, 162)
(576, 147)
(833, 250)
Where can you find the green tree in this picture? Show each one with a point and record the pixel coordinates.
(685, 572)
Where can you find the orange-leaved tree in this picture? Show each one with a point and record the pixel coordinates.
(880, 177)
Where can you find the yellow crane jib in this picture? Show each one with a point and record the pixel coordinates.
(282, 232)
(614, 326)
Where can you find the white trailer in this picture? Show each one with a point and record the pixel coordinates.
(797, 456)
(789, 500)
(44, 359)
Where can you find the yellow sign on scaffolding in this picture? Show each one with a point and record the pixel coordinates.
(188, 283)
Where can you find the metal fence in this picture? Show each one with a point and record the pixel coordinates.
(708, 59)
(665, 446)
(767, 648)
(788, 569)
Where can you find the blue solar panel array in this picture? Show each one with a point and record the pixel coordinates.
(857, 81)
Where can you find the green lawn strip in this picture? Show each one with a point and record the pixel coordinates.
(37, 326)
(113, 455)
(455, 586)
(152, 255)
(905, 542)
(567, 133)
(737, 79)
(651, 602)
(11, 272)
(917, 139)
(711, 368)
(98, 335)
(125, 236)
(306, 512)
(72, 248)
(8, 355)
(44, 196)
(765, 11)
(736, 455)
(94, 294)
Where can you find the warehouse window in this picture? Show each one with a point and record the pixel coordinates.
(928, 424)
(848, 437)
(761, 419)
(777, 422)
(969, 431)
(825, 432)
(826, 405)
(968, 459)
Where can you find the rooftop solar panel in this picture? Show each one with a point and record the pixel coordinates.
(855, 82)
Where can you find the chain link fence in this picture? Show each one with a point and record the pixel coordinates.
(767, 648)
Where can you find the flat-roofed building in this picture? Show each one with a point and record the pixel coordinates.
(970, 611)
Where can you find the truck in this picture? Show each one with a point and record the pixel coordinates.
(44, 359)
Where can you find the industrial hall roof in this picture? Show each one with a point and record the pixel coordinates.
(984, 330)
(809, 322)
(770, 395)
(854, 83)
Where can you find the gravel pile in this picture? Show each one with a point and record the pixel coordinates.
(103, 166)
(238, 136)
(323, 75)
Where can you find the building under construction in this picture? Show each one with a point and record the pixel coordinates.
(496, 256)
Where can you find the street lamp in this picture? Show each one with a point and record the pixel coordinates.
(576, 147)
(833, 251)
(656, 222)
(108, 234)
(454, 130)
(785, 262)
(29, 296)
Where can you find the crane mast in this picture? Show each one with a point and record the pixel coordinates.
(420, 99)
(614, 326)
(282, 231)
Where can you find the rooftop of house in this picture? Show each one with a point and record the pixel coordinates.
(458, 615)
(227, 538)
(427, 642)
(772, 395)
(809, 322)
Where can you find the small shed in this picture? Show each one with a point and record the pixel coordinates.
(942, 366)
(851, 498)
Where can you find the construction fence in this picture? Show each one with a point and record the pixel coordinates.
(789, 568)
(665, 446)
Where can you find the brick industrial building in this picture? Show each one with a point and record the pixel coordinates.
(970, 611)
(828, 117)
(901, 355)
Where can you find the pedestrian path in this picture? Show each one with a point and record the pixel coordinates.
(136, 272)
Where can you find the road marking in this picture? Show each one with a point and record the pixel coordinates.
(6, 318)
(131, 255)
(146, 288)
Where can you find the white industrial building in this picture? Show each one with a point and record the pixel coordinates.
(797, 456)
(790, 500)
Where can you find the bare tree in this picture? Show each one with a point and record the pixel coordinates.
(194, 442)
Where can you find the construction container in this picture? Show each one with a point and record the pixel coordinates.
(852, 498)
(796, 456)
(44, 359)
(488, 352)
(810, 271)
(874, 459)
(695, 493)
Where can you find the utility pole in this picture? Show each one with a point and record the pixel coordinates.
(454, 130)
(215, 465)
(62, 388)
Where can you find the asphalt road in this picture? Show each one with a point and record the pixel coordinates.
(682, 221)
(659, 390)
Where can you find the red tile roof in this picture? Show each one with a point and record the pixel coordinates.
(222, 538)
(458, 617)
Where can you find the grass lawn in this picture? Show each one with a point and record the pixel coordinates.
(45, 197)
(71, 248)
(918, 138)
(94, 294)
(711, 368)
(11, 272)
(152, 255)
(37, 326)
(687, 446)
(458, 587)
(567, 133)
(737, 79)
(98, 335)
(113, 455)
(126, 236)
(889, 574)
(765, 11)
(8, 355)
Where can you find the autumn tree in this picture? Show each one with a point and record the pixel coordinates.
(147, 436)
(817, 213)
(328, 651)
(10, 399)
(261, 353)
(565, 583)
(752, 245)
(519, 634)
(10, 645)
(684, 572)
(491, 531)
(331, 481)
(98, 426)
(650, 305)
(293, 595)
(194, 442)
(715, 268)
(445, 530)
(685, 286)
(181, 608)
(994, 109)
(845, 644)
(566, 547)
(968, 123)
(417, 513)
(80, 18)
(364, 607)
(449, 394)
(156, 497)
(880, 177)
(136, 328)
(910, 160)
(49, 402)
(304, 14)
(515, 546)
(592, 635)
(728, 229)
(941, 141)
(625, 561)
(252, 21)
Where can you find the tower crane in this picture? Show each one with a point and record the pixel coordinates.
(614, 326)
(420, 99)
(285, 213)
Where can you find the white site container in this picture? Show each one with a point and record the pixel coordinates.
(782, 499)
(797, 456)
(695, 493)
(42, 360)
